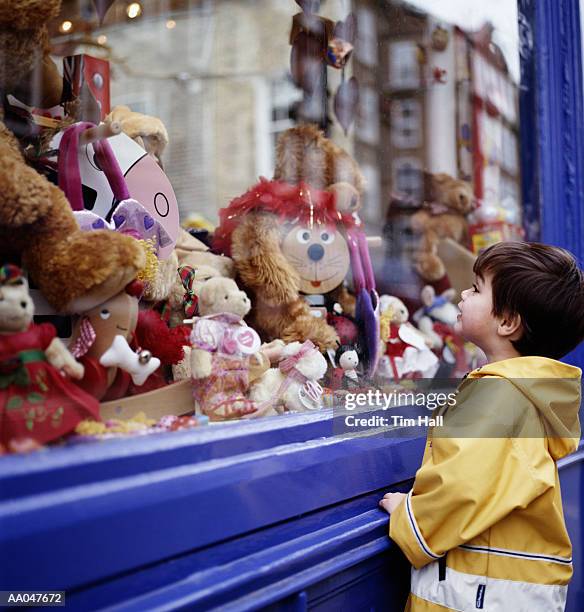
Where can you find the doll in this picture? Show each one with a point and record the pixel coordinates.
(37, 399)
(406, 352)
(345, 374)
(101, 342)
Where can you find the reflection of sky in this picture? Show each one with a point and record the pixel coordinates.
(471, 16)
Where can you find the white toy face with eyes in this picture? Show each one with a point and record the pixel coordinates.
(349, 360)
(320, 256)
(146, 183)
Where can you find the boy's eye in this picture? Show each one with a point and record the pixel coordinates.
(475, 288)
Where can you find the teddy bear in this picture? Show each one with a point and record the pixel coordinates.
(149, 132)
(287, 238)
(222, 347)
(73, 270)
(37, 398)
(447, 203)
(292, 386)
(27, 70)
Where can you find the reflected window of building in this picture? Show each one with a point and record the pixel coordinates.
(366, 48)
(408, 178)
(406, 124)
(368, 119)
(404, 66)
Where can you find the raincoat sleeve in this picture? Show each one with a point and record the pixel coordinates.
(467, 484)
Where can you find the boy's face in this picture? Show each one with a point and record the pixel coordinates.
(476, 322)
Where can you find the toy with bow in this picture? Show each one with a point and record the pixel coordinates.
(190, 299)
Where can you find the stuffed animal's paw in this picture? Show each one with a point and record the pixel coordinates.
(429, 266)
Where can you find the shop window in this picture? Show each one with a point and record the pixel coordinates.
(392, 101)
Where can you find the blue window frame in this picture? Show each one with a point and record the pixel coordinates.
(552, 126)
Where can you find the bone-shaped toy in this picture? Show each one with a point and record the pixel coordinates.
(138, 365)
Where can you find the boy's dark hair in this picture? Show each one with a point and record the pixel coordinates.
(545, 287)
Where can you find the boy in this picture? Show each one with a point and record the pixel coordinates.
(483, 525)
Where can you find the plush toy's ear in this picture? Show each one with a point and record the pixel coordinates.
(343, 168)
(347, 198)
(428, 294)
(259, 260)
(301, 156)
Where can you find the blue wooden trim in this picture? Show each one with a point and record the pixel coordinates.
(156, 514)
(553, 124)
(261, 568)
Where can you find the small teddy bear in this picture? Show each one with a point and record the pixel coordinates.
(293, 385)
(447, 202)
(37, 399)
(222, 345)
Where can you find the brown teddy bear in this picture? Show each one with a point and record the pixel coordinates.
(447, 202)
(26, 70)
(73, 270)
(314, 197)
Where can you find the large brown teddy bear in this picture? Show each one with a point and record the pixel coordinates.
(447, 202)
(26, 70)
(267, 214)
(73, 270)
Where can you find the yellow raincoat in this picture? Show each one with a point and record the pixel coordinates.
(483, 526)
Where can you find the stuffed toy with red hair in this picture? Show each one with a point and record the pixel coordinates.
(287, 238)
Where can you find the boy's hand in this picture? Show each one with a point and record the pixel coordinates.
(391, 501)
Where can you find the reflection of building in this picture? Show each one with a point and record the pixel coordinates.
(446, 104)
(216, 73)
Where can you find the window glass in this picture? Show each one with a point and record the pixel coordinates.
(319, 153)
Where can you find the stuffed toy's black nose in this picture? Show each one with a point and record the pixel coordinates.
(315, 252)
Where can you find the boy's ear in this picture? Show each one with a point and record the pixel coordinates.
(510, 326)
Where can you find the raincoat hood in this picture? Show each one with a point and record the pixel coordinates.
(553, 387)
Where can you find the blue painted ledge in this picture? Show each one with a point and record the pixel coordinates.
(78, 515)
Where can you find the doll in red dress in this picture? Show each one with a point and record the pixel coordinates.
(37, 398)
